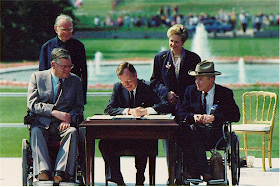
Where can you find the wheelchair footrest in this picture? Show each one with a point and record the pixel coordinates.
(217, 182)
(197, 181)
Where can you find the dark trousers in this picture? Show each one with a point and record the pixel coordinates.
(110, 152)
(194, 141)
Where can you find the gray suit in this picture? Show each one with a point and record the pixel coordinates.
(44, 128)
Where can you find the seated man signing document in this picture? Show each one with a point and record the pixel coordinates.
(130, 96)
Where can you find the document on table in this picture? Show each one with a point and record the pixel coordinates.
(125, 117)
(100, 117)
(130, 117)
(166, 116)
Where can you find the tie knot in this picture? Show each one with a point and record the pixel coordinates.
(205, 94)
(60, 81)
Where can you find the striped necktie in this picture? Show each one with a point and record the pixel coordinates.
(58, 90)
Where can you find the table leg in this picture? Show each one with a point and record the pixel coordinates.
(90, 147)
(171, 169)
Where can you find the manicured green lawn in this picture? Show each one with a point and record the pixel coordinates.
(113, 49)
(146, 8)
(13, 109)
(150, 7)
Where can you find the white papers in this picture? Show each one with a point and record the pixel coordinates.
(100, 117)
(119, 117)
(167, 116)
(125, 117)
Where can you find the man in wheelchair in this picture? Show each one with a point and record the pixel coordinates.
(55, 100)
(205, 108)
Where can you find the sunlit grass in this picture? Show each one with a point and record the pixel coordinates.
(13, 109)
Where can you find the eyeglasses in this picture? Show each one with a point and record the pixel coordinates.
(64, 67)
(126, 82)
(70, 29)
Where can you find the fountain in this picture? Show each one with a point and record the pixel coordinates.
(232, 72)
(200, 43)
(94, 66)
(162, 48)
(97, 59)
(241, 68)
(90, 70)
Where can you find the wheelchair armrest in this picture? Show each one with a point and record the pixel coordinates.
(77, 119)
(29, 118)
(226, 129)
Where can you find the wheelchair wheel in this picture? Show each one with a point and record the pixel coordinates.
(26, 163)
(234, 158)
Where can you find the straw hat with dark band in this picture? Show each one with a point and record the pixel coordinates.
(204, 68)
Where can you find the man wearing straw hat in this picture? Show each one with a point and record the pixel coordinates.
(205, 107)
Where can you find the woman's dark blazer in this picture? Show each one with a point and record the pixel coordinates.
(164, 78)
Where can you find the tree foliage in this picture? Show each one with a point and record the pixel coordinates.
(27, 25)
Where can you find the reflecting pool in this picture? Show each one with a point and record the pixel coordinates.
(230, 73)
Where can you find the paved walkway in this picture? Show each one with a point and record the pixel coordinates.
(10, 173)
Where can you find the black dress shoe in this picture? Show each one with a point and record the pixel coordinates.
(44, 175)
(207, 177)
(196, 178)
(119, 182)
(191, 178)
(60, 176)
(178, 182)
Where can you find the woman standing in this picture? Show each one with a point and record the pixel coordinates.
(170, 74)
(170, 78)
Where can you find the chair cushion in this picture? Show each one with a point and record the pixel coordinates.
(251, 127)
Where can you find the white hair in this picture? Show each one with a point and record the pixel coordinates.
(63, 17)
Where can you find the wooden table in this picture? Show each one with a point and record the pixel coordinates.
(127, 129)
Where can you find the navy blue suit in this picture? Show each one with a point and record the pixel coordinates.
(78, 57)
(164, 78)
(194, 139)
(144, 97)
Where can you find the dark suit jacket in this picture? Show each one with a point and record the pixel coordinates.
(164, 79)
(78, 57)
(192, 104)
(145, 97)
(40, 98)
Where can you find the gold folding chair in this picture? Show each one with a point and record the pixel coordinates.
(259, 108)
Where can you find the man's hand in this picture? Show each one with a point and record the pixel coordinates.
(172, 98)
(203, 119)
(63, 116)
(139, 111)
(63, 126)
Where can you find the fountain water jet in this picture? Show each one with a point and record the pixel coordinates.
(200, 43)
(241, 69)
(94, 66)
(90, 70)
(97, 59)
(162, 48)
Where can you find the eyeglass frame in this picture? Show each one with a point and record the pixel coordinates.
(126, 82)
(70, 29)
(64, 66)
